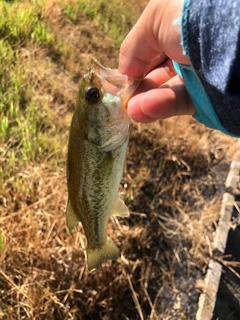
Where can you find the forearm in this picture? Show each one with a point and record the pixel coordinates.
(211, 39)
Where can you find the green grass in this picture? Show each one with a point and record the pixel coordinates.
(113, 20)
(10, 89)
(20, 119)
(22, 22)
(21, 25)
(72, 11)
(28, 132)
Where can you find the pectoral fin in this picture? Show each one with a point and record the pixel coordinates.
(72, 220)
(120, 209)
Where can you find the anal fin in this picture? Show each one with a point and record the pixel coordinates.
(120, 209)
(72, 220)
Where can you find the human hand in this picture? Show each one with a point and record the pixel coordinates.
(147, 51)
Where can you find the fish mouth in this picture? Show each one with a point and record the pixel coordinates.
(114, 82)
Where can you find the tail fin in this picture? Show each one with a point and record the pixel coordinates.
(95, 256)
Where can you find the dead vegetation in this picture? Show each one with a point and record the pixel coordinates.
(173, 185)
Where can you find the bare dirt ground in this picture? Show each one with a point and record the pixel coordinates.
(173, 183)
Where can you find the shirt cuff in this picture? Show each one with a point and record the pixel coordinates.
(205, 111)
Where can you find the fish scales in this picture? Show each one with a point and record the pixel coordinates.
(96, 154)
(100, 187)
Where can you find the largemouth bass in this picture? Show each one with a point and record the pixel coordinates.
(96, 154)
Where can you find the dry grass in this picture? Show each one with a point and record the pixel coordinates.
(173, 185)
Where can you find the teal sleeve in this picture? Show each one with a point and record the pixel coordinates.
(198, 87)
(205, 112)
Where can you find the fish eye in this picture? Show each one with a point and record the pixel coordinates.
(92, 95)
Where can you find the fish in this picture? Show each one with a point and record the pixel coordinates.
(97, 146)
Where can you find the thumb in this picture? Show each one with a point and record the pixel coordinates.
(155, 35)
